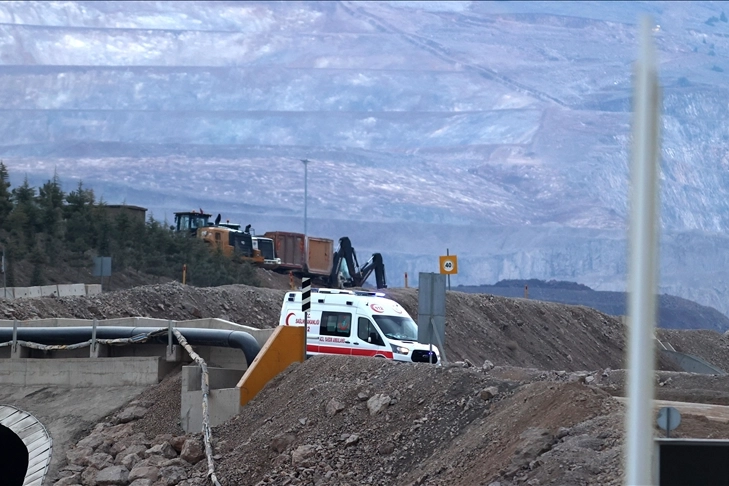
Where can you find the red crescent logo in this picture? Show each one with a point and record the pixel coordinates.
(377, 308)
(288, 317)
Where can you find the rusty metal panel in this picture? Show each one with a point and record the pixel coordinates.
(289, 248)
(321, 252)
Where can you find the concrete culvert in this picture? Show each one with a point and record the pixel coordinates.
(26, 448)
(14, 459)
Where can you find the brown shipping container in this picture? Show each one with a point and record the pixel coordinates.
(321, 253)
(290, 249)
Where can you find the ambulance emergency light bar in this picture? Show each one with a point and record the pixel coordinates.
(347, 292)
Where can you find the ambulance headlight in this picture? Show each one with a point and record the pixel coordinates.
(399, 349)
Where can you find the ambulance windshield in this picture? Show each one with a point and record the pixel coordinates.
(396, 327)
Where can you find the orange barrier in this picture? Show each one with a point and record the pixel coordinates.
(285, 346)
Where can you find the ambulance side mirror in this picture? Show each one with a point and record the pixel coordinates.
(369, 339)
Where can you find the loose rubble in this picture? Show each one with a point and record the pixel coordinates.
(528, 397)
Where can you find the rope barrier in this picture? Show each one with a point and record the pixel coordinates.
(206, 415)
(136, 339)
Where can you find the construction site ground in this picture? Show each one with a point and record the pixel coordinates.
(531, 395)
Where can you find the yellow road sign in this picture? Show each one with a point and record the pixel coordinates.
(449, 264)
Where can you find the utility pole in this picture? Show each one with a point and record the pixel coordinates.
(306, 195)
(306, 202)
(643, 262)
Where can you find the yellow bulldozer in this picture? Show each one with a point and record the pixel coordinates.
(233, 242)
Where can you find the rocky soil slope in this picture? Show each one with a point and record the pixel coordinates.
(546, 413)
(506, 331)
(337, 420)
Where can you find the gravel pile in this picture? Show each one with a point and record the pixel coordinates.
(506, 331)
(337, 420)
(251, 306)
(124, 449)
(528, 399)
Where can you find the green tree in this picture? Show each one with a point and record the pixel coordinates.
(38, 259)
(121, 245)
(25, 216)
(77, 257)
(50, 203)
(9, 266)
(103, 231)
(6, 200)
(79, 200)
(78, 216)
(50, 228)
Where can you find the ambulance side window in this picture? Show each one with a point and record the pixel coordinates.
(366, 331)
(335, 324)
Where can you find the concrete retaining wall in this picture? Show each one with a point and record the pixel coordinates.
(49, 291)
(93, 289)
(30, 292)
(60, 290)
(221, 357)
(51, 322)
(692, 364)
(84, 372)
(222, 406)
(222, 400)
(227, 396)
(71, 290)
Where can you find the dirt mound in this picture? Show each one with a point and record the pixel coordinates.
(527, 333)
(336, 420)
(708, 345)
(362, 421)
(506, 331)
(546, 414)
(251, 306)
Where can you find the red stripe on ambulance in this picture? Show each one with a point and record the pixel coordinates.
(313, 348)
(371, 352)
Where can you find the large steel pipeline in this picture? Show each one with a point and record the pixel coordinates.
(197, 337)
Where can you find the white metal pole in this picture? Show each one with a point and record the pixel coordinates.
(643, 265)
(306, 192)
(306, 203)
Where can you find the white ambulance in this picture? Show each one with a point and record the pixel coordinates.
(358, 324)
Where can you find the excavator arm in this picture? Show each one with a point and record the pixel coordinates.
(344, 264)
(346, 271)
(374, 264)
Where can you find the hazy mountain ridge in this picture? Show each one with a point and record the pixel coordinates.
(673, 312)
(485, 114)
